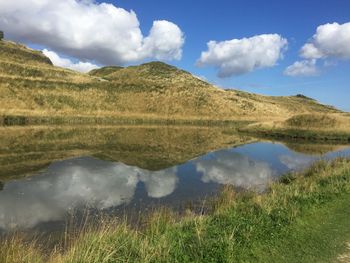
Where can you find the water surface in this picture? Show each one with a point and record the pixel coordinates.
(49, 173)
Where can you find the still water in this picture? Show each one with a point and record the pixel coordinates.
(49, 173)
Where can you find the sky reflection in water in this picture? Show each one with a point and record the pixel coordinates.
(88, 182)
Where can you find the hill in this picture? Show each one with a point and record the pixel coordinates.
(31, 86)
(105, 71)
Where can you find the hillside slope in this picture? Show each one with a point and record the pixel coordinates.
(31, 86)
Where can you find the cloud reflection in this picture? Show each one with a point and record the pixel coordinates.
(231, 168)
(75, 183)
(296, 162)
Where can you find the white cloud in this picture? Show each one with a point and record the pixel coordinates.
(164, 41)
(88, 30)
(330, 40)
(302, 68)
(239, 56)
(67, 63)
(309, 51)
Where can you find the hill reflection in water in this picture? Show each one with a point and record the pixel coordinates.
(127, 178)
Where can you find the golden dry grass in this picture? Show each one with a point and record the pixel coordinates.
(323, 122)
(31, 86)
(345, 258)
(315, 126)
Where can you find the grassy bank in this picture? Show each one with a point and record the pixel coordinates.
(304, 218)
(310, 127)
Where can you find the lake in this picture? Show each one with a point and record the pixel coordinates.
(48, 174)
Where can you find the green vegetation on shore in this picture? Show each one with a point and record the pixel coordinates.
(310, 127)
(304, 218)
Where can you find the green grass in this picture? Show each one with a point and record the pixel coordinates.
(320, 235)
(302, 219)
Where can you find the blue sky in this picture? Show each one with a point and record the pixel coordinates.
(220, 20)
(200, 22)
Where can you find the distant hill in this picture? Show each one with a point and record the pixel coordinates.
(31, 86)
(104, 72)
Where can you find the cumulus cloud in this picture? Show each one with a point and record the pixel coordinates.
(87, 30)
(164, 41)
(239, 56)
(74, 184)
(309, 51)
(232, 168)
(67, 63)
(330, 40)
(302, 68)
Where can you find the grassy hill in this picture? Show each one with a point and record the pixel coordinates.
(31, 86)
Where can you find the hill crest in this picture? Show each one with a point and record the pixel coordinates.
(31, 85)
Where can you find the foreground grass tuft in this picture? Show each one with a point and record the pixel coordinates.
(16, 250)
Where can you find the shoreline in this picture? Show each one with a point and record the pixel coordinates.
(239, 227)
(21, 120)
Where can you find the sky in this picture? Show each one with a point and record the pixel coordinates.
(267, 47)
